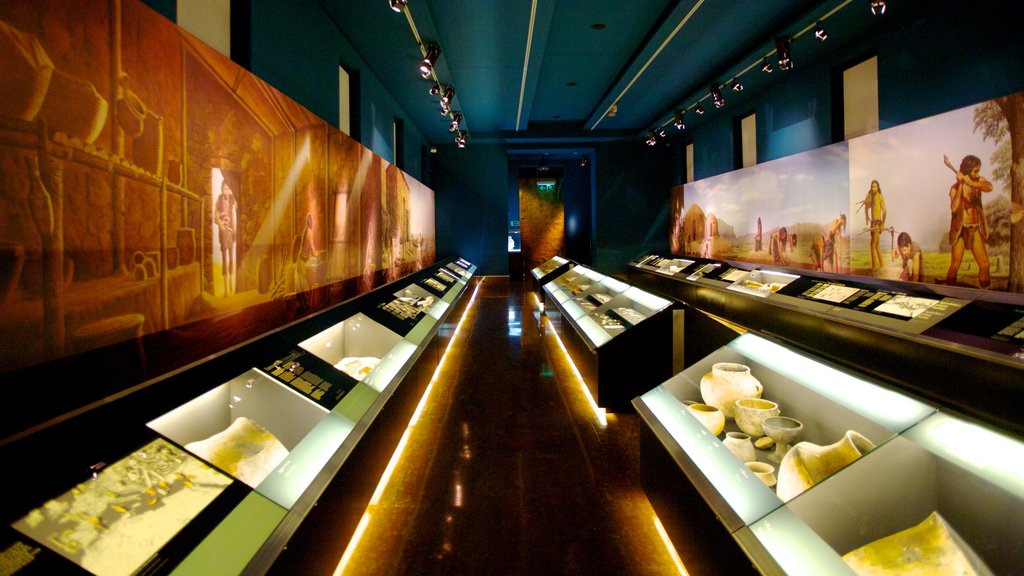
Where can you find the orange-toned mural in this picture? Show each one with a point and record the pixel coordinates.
(148, 185)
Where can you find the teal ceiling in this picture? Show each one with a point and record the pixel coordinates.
(532, 71)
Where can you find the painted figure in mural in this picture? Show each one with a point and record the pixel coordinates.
(224, 213)
(757, 236)
(778, 240)
(707, 247)
(967, 230)
(826, 247)
(874, 217)
(911, 258)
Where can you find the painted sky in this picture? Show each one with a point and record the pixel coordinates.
(907, 162)
(811, 186)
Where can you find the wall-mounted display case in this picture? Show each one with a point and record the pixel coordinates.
(619, 336)
(925, 339)
(233, 463)
(874, 478)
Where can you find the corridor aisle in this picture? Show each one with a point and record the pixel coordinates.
(507, 470)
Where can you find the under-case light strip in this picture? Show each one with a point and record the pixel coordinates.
(356, 536)
(669, 546)
(400, 448)
(599, 412)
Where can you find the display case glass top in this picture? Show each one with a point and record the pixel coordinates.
(548, 267)
(116, 521)
(602, 307)
(761, 283)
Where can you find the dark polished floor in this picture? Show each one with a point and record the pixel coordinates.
(507, 470)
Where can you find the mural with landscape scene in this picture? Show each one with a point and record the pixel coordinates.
(148, 183)
(937, 201)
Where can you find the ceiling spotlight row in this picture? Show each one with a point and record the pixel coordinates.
(445, 93)
(785, 62)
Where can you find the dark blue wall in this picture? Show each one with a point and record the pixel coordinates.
(471, 199)
(932, 58)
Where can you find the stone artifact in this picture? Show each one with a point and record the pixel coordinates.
(806, 464)
(726, 383)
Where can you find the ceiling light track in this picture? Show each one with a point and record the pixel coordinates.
(431, 53)
(783, 53)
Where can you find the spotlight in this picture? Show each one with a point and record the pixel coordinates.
(427, 66)
(661, 132)
(397, 5)
(460, 138)
(584, 162)
(456, 122)
(651, 140)
(819, 32)
(766, 66)
(677, 119)
(448, 94)
(444, 109)
(699, 109)
(716, 96)
(736, 86)
(435, 90)
(877, 7)
(782, 47)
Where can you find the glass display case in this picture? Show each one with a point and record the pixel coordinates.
(548, 271)
(924, 339)
(817, 466)
(619, 336)
(217, 468)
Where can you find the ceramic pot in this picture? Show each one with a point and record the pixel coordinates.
(711, 417)
(27, 71)
(131, 114)
(783, 431)
(765, 472)
(806, 464)
(740, 445)
(12, 258)
(74, 107)
(148, 148)
(751, 412)
(931, 547)
(726, 383)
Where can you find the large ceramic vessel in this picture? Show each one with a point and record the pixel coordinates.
(806, 464)
(726, 383)
(931, 548)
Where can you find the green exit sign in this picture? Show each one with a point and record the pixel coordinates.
(545, 186)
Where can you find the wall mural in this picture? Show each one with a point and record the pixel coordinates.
(936, 201)
(148, 183)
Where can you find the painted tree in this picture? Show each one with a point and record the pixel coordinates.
(996, 120)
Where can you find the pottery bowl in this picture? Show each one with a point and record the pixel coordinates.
(751, 412)
(712, 418)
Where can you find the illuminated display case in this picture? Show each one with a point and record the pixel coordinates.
(219, 467)
(921, 338)
(619, 336)
(917, 472)
(547, 272)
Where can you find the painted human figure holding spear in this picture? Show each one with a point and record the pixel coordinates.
(874, 218)
(967, 229)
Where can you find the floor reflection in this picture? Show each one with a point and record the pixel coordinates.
(507, 471)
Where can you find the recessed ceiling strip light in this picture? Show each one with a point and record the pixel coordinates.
(650, 60)
(526, 63)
